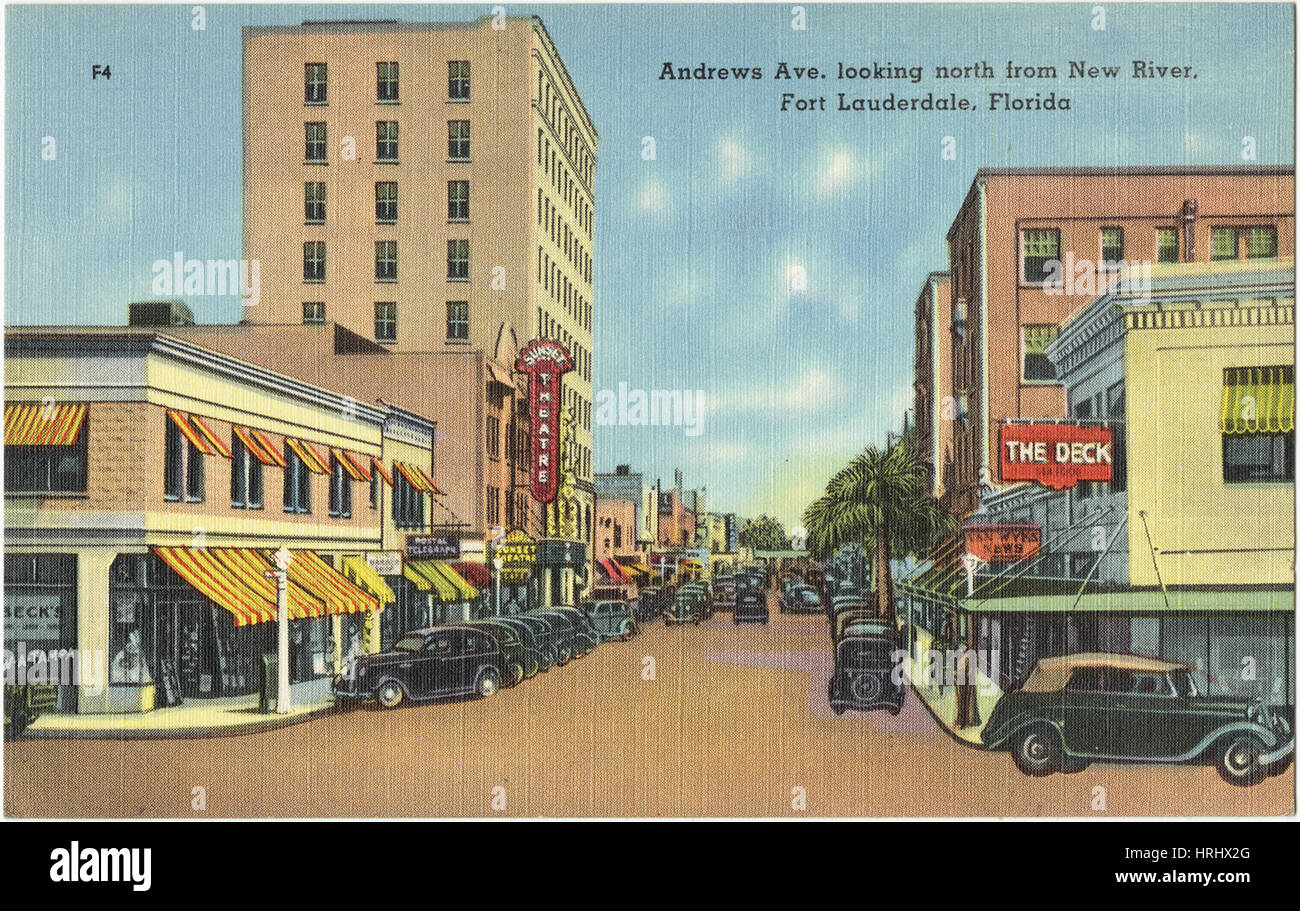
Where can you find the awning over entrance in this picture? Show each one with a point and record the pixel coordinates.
(467, 591)
(43, 425)
(1258, 400)
(424, 576)
(634, 568)
(365, 576)
(321, 579)
(613, 571)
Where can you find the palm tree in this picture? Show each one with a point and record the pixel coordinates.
(880, 500)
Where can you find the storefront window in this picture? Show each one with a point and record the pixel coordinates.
(41, 615)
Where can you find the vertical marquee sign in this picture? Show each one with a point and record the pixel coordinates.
(545, 362)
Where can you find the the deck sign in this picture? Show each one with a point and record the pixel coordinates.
(545, 362)
(1056, 455)
(1003, 543)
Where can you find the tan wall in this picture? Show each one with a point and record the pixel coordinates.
(611, 515)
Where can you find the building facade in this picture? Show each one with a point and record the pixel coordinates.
(932, 402)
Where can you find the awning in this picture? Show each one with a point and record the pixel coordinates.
(263, 453)
(416, 477)
(43, 425)
(353, 465)
(500, 374)
(634, 568)
(330, 586)
(217, 444)
(467, 591)
(475, 574)
(275, 452)
(310, 457)
(383, 472)
(365, 575)
(1258, 400)
(613, 571)
(236, 580)
(182, 422)
(427, 579)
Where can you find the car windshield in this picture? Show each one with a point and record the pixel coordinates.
(1185, 684)
(409, 644)
(866, 652)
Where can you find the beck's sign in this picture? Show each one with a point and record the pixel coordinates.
(1003, 543)
(545, 362)
(1056, 455)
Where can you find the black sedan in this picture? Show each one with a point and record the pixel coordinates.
(751, 607)
(427, 664)
(864, 677)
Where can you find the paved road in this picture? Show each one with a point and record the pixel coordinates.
(733, 721)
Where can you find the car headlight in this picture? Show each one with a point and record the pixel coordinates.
(1259, 715)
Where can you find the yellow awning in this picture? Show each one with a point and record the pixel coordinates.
(461, 584)
(1258, 400)
(437, 584)
(364, 575)
(43, 424)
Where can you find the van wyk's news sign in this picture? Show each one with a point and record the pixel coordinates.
(1056, 455)
(1003, 543)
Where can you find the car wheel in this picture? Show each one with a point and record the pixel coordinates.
(1238, 760)
(517, 673)
(1037, 751)
(390, 694)
(488, 682)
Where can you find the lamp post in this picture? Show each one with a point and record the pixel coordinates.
(283, 557)
(496, 585)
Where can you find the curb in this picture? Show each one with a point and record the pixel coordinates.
(178, 733)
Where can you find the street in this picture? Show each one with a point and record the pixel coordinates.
(733, 722)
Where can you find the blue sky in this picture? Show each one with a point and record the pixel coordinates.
(694, 249)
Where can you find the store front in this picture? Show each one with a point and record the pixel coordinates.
(41, 624)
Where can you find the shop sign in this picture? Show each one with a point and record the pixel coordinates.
(31, 617)
(560, 552)
(1003, 543)
(433, 547)
(544, 362)
(1055, 455)
(518, 555)
(385, 562)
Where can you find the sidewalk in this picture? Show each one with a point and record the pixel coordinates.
(192, 718)
(941, 700)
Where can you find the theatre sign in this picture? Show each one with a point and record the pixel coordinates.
(545, 362)
(1056, 454)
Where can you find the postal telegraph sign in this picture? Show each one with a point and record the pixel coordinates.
(433, 547)
(545, 362)
(1056, 455)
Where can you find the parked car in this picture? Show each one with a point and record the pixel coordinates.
(523, 659)
(801, 599)
(724, 593)
(542, 635)
(847, 617)
(751, 607)
(584, 635)
(562, 635)
(706, 600)
(1078, 708)
(649, 604)
(427, 664)
(687, 607)
(612, 620)
(864, 677)
(841, 603)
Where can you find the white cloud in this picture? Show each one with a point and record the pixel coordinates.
(653, 196)
(815, 390)
(839, 170)
(736, 160)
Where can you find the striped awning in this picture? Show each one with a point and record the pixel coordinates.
(216, 443)
(182, 422)
(1258, 400)
(427, 579)
(383, 472)
(417, 478)
(43, 424)
(353, 465)
(365, 575)
(326, 583)
(235, 579)
(466, 591)
(310, 457)
(259, 447)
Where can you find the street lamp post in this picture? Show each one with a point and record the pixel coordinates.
(496, 570)
(283, 558)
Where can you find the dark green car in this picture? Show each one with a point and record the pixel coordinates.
(1078, 708)
(687, 607)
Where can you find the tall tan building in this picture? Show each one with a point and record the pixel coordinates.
(428, 186)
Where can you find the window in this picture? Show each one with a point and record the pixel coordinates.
(1223, 243)
(1257, 425)
(245, 477)
(387, 82)
(1259, 457)
(1041, 250)
(1167, 245)
(182, 467)
(457, 320)
(386, 140)
(1261, 243)
(408, 503)
(314, 194)
(297, 483)
(376, 490)
(493, 425)
(313, 261)
(315, 143)
(1112, 247)
(1119, 453)
(1036, 367)
(458, 80)
(458, 260)
(340, 490)
(458, 139)
(313, 311)
(48, 469)
(317, 83)
(386, 321)
(458, 200)
(385, 260)
(386, 202)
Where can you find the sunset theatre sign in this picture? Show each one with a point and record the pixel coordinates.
(545, 362)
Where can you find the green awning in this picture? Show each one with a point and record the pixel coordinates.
(1138, 601)
(464, 590)
(426, 577)
(1258, 400)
